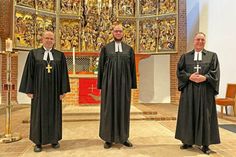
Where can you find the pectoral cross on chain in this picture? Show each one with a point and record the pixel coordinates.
(49, 68)
(197, 68)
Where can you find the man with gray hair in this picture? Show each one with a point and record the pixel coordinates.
(45, 80)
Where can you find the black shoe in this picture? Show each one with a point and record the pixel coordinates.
(37, 148)
(206, 150)
(107, 145)
(128, 144)
(186, 146)
(56, 145)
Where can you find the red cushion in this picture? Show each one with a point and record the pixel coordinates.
(225, 101)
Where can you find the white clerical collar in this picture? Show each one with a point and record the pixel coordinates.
(197, 56)
(45, 56)
(118, 47)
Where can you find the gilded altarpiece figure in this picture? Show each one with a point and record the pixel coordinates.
(43, 23)
(148, 7)
(126, 8)
(148, 36)
(70, 7)
(129, 32)
(149, 25)
(167, 34)
(47, 5)
(69, 34)
(24, 35)
(167, 6)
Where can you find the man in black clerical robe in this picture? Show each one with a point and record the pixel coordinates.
(45, 81)
(198, 75)
(116, 77)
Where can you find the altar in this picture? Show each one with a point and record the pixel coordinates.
(82, 68)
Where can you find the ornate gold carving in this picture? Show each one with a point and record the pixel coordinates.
(126, 8)
(167, 34)
(129, 32)
(24, 30)
(42, 24)
(167, 6)
(48, 5)
(148, 7)
(28, 3)
(70, 6)
(69, 34)
(148, 36)
(87, 24)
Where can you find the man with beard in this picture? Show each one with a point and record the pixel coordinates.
(116, 78)
(45, 81)
(198, 75)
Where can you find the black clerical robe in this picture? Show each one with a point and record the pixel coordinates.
(116, 77)
(197, 117)
(46, 106)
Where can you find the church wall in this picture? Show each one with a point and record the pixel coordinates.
(192, 9)
(182, 45)
(219, 25)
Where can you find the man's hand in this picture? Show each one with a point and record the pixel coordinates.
(30, 95)
(196, 77)
(62, 96)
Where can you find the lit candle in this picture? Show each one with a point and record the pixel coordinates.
(9, 45)
(73, 56)
(99, 6)
(110, 4)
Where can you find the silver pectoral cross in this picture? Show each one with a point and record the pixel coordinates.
(197, 68)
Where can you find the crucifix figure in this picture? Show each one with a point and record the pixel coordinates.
(197, 68)
(49, 68)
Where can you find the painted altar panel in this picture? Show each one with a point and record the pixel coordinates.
(149, 25)
(69, 34)
(24, 35)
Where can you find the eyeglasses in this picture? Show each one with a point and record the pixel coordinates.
(118, 31)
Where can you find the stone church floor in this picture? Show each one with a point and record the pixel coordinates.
(152, 131)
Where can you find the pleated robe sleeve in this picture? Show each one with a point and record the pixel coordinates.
(27, 83)
(101, 64)
(133, 69)
(213, 75)
(65, 78)
(182, 75)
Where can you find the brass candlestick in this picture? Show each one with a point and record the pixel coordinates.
(8, 136)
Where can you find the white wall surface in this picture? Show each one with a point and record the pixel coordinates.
(155, 79)
(218, 21)
(21, 97)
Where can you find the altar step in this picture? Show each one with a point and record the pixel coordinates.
(73, 117)
(92, 113)
(68, 117)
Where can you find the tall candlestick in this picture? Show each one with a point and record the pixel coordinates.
(9, 45)
(73, 55)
